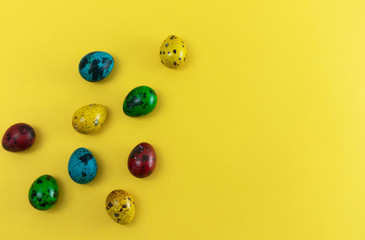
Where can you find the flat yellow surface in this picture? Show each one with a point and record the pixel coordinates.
(260, 136)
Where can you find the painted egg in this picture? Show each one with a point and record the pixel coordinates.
(43, 193)
(173, 52)
(142, 160)
(18, 137)
(89, 118)
(82, 166)
(120, 206)
(96, 66)
(140, 101)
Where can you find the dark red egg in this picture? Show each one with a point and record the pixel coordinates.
(142, 160)
(18, 137)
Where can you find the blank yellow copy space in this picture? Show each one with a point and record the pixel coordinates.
(260, 136)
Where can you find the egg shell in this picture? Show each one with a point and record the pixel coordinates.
(89, 119)
(96, 66)
(18, 137)
(140, 101)
(120, 206)
(173, 52)
(142, 160)
(43, 194)
(82, 166)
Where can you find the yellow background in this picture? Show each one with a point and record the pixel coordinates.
(260, 136)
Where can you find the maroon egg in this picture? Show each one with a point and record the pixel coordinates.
(142, 160)
(18, 137)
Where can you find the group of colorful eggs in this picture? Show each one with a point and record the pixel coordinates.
(82, 166)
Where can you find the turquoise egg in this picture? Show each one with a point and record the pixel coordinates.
(82, 166)
(96, 66)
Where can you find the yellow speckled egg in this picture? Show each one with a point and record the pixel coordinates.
(89, 118)
(173, 52)
(120, 206)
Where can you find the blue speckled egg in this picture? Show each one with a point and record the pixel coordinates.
(96, 66)
(82, 166)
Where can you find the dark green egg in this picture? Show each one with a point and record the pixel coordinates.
(43, 193)
(140, 101)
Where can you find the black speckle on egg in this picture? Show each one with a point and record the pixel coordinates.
(83, 63)
(34, 193)
(145, 158)
(85, 158)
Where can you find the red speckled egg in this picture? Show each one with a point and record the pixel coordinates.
(142, 160)
(18, 137)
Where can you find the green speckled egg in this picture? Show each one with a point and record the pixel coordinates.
(173, 52)
(89, 118)
(43, 193)
(120, 206)
(140, 101)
